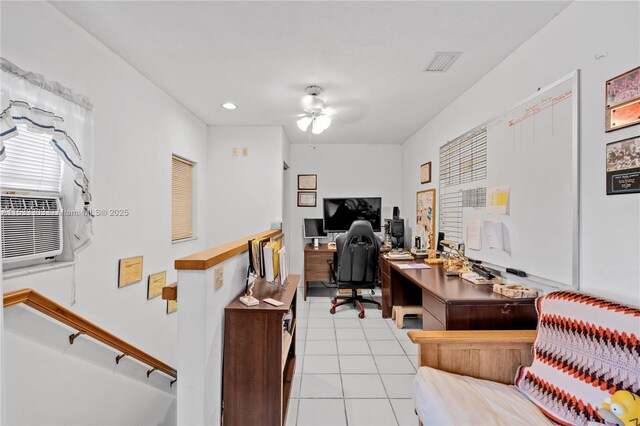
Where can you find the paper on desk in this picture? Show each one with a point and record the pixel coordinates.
(492, 233)
(497, 199)
(413, 266)
(473, 240)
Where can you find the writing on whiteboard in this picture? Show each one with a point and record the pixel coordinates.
(543, 104)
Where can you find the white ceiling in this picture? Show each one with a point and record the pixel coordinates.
(368, 56)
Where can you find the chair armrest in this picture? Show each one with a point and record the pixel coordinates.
(485, 354)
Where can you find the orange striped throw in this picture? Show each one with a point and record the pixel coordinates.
(586, 349)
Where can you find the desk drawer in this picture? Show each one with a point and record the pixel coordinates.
(434, 306)
(316, 267)
(430, 323)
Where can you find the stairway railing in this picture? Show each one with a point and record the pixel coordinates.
(37, 301)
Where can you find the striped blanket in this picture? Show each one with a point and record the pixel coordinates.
(586, 350)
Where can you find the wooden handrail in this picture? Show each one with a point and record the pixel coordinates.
(207, 258)
(50, 308)
(170, 292)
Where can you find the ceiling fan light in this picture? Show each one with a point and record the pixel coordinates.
(320, 124)
(324, 121)
(316, 130)
(312, 103)
(303, 123)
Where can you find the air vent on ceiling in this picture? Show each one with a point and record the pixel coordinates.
(442, 61)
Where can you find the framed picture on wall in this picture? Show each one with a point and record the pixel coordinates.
(426, 217)
(623, 100)
(308, 182)
(425, 172)
(306, 199)
(623, 166)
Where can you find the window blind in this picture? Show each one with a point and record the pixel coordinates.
(31, 163)
(181, 198)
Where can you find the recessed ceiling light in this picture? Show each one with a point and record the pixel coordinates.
(229, 105)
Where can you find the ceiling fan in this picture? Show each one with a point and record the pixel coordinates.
(315, 112)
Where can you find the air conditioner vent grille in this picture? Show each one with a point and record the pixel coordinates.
(31, 227)
(442, 61)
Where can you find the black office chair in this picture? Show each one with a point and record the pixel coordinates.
(356, 265)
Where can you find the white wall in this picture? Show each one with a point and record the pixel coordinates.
(137, 128)
(610, 225)
(244, 193)
(359, 170)
(286, 188)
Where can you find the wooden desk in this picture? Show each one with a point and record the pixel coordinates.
(450, 303)
(259, 358)
(316, 267)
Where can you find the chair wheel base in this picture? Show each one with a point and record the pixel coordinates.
(332, 310)
(361, 315)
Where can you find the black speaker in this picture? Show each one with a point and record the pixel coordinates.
(440, 238)
(397, 233)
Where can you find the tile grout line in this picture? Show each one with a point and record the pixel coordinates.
(380, 376)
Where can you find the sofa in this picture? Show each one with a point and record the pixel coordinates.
(581, 366)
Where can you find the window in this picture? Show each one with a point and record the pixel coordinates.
(181, 198)
(31, 163)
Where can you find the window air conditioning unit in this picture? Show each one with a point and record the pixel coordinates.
(31, 227)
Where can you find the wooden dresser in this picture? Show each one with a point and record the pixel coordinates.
(450, 303)
(259, 357)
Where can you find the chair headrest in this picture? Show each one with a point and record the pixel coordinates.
(360, 232)
(360, 227)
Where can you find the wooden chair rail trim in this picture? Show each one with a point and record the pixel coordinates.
(472, 336)
(48, 307)
(210, 257)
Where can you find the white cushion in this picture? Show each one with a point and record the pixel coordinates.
(443, 398)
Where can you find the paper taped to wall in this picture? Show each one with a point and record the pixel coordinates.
(492, 235)
(498, 199)
(473, 240)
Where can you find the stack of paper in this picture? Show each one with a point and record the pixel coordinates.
(413, 266)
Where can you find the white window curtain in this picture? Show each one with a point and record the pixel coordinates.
(47, 108)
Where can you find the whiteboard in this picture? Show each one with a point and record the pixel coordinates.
(533, 150)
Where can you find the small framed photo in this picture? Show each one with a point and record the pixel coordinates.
(425, 172)
(623, 166)
(306, 199)
(155, 284)
(172, 306)
(308, 182)
(129, 271)
(623, 100)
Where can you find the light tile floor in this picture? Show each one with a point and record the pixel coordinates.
(351, 371)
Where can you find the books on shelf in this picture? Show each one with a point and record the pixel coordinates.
(284, 267)
(271, 259)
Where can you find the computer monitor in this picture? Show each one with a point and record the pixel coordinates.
(339, 213)
(314, 228)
